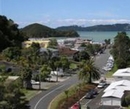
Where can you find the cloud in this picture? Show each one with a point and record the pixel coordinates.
(80, 22)
(89, 22)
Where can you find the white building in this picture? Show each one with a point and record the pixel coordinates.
(122, 74)
(114, 92)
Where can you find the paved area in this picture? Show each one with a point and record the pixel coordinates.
(47, 85)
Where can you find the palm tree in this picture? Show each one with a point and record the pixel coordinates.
(88, 71)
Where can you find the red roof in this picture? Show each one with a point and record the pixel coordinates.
(67, 51)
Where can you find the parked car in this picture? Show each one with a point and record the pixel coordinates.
(76, 106)
(35, 82)
(101, 85)
(94, 91)
(89, 95)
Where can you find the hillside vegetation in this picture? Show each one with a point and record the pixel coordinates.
(9, 33)
(40, 31)
(114, 27)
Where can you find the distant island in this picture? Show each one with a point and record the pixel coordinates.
(41, 31)
(113, 27)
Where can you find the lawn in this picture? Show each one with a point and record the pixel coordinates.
(30, 93)
(110, 73)
(73, 66)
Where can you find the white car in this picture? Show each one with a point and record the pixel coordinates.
(101, 85)
(35, 82)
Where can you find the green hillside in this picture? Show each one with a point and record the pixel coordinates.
(40, 31)
(113, 27)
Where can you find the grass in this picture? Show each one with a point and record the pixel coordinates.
(110, 73)
(61, 97)
(30, 93)
(72, 92)
(73, 66)
(127, 107)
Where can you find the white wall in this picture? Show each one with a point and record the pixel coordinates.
(111, 101)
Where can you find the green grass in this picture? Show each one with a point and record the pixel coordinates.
(30, 93)
(55, 102)
(110, 73)
(73, 66)
(127, 107)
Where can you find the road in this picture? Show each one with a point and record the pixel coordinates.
(42, 100)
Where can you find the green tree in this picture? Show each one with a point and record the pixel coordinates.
(88, 71)
(53, 43)
(107, 41)
(82, 55)
(10, 35)
(11, 96)
(12, 53)
(120, 49)
(26, 75)
(90, 49)
(64, 63)
(44, 73)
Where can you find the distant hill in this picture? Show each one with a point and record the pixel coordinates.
(41, 31)
(113, 27)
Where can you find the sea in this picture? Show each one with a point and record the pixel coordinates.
(100, 36)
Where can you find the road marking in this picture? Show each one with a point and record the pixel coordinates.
(88, 102)
(47, 95)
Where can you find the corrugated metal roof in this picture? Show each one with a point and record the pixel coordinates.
(122, 72)
(116, 89)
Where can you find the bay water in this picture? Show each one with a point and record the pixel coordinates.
(99, 36)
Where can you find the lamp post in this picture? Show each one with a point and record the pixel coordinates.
(39, 81)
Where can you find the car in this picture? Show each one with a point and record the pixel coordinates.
(94, 91)
(35, 82)
(89, 95)
(101, 85)
(76, 106)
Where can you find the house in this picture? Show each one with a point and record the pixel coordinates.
(122, 74)
(114, 92)
(45, 52)
(79, 42)
(43, 42)
(66, 51)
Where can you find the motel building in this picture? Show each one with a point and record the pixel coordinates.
(43, 42)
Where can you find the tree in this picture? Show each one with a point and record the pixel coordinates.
(82, 55)
(44, 73)
(10, 35)
(64, 63)
(53, 43)
(11, 95)
(12, 53)
(90, 49)
(120, 49)
(88, 71)
(26, 75)
(107, 41)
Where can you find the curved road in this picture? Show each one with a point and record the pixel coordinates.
(42, 100)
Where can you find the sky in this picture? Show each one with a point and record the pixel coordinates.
(55, 13)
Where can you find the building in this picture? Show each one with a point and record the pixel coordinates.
(114, 92)
(43, 42)
(66, 51)
(122, 74)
